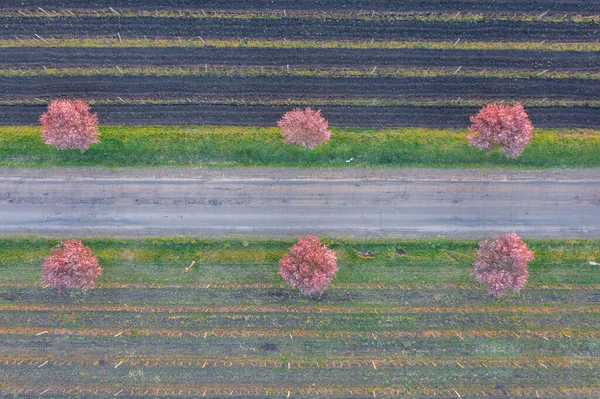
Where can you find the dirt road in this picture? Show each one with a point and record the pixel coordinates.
(288, 202)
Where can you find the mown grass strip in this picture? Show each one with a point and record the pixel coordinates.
(298, 14)
(320, 309)
(240, 71)
(255, 261)
(536, 361)
(538, 334)
(237, 146)
(157, 42)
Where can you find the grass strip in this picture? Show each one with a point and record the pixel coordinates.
(157, 42)
(408, 378)
(237, 146)
(310, 349)
(435, 262)
(326, 323)
(240, 71)
(300, 14)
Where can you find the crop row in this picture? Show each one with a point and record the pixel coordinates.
(300, 28)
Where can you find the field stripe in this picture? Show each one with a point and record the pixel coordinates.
(545, 334)
(296, 87)
(211, 390)
(351, 114)
(332, 362)
(220, 70)
(150, 41)
(220, 285)
(318, 309)
(492, 29)
(352, 60)
(367, 6)
(279, 14)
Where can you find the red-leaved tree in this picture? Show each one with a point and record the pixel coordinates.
(502, 263)
(71, 265)
(306, 128)
(503, 127)
(309, 266)
(69, 124)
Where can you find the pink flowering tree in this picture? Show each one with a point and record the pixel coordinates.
(306, 128)
(502, 263)
(71, 265)
(69, 124)
(503, 127)
(309, 266)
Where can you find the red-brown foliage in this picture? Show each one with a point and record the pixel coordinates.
(69, 125)
(502, 263)
(503, 127)
(71, 265)
(309, 266)
(306, 128)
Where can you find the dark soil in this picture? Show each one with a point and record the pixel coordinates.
(299, 28)
(295, 88)
(341, 116)
(57, 57)
(577, 6)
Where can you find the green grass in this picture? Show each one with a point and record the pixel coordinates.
(109, 41)
(235, 261)
(352, 342)
(232, 146)
(237, 71)
(322, 15)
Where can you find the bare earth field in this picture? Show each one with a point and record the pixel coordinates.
(574, 6)
(301, 28)
(52, 57)
(282, 88)
(267, 115)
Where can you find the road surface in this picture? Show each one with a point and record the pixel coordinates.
(290, 202)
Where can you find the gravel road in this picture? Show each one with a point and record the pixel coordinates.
(289, 202)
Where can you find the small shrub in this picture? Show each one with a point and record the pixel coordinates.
(502, 263)
(71, 265)
(503, 127)
(306, 128)
(309, 266)
(69, 125)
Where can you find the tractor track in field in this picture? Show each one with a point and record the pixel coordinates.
(505, 6)
(338, 115)
(301, 28)
(65, 57)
